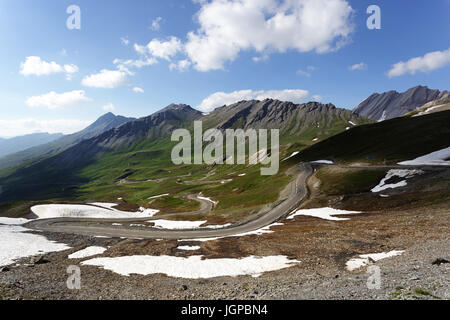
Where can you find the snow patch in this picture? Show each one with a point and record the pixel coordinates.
(364, 259)
(322, 213)
(383, 117)
(15, 244)
(193, 267)
(189, 248)
(292, 155)
(323, 162)
(87, 252)
(395, 173)
(437, 158)
(13, 221)
(101, 210)
(159, 196)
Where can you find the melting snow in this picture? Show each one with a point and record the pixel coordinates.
(189, 248)
(323, 162)
(15, 244)
(102, 210)
(323, 213)
(383, 117)
(395, 173)
(159, 196)
(364, 259)
(87, 252)
(13, 221)
(193, 267)
(437, 158)
(292, 155)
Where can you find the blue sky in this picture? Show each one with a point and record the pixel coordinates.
(226, 52)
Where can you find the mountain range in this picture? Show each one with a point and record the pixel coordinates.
(54, 146)
(16, 144)
(392, 104)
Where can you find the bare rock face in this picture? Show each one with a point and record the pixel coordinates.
(392, 104)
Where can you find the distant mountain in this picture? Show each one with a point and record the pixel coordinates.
(392, 104)
(104, 123)
(16, 144)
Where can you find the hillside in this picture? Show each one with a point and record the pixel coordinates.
(389, 141)
(393, 104)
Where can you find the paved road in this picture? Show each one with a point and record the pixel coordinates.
(267, 216)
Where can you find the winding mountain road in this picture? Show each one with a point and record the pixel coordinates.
(267, 216)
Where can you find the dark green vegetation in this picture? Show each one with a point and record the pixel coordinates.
(385, 142)
(336, 181)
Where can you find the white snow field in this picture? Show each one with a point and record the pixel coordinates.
(101, 210)
(87, 252)
(207, 199)
(322, 213)
(192, 267)
(437, 158)
(188, 248)
(13, 221)
(16, 244)
(159, 196)
(364, 259)
(395, 173)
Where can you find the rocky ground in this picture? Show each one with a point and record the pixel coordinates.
(322, 246)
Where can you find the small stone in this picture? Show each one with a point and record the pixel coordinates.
(439, 261)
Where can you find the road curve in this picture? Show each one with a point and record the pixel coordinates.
(280, 209)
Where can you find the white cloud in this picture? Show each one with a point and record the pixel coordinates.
(229, 27)
(303, 73)
(181, 65)
(221, 98)
(106, 79)
(156, 24)
(34, 65)
(429, 62)
(138, 90)
(53, 100)
(317, 98)
(257, 59)
(18, 127)
(358, 66)
(161, 49)
(109, 107)
(123, 65)
(124, 41)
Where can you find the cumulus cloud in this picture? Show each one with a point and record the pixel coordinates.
(53, 100)
(427, 63)
(156, 24)
(160, 49)
(18, 127)
(107, 79)
(124, 41)
(138, 90)
(34, 65)
(229, 27)
(221, 98)
(109, 107)
(358, 66)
